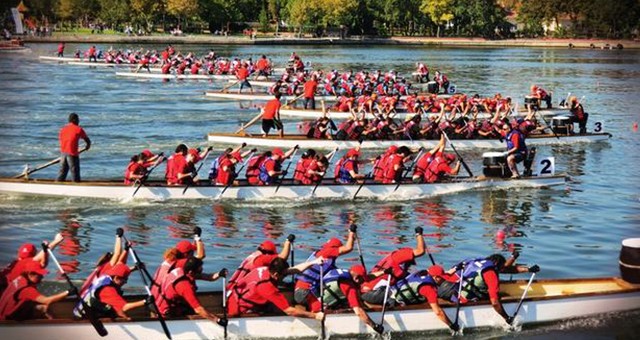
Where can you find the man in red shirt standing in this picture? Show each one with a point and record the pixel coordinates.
(271, 116)
(69, 136)
(310, 87)
(243, 77)
(22, 300)
(61, 50)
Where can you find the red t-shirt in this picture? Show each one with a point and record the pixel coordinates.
(186, 290)
(179, 165)
(490, 278)
(109, 295)
(399, 257)
(430, 293)
(69, 136)
(310, 88)
(225, 176)
(242, 73)
(270, 110)
(29, 293)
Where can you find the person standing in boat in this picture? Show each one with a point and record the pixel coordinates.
(342, 290)
(397, 263)
(271, 116)
(104, 295)
(422, 286)
(540, 95)
(179, 298)
(442, 81)
(22, 300)
(310, 87)
(578, 115)
(258, 291)
(481, 280)
(347, 168)
(69, 136)
(61, 50)
(262, 257)
(242, 73)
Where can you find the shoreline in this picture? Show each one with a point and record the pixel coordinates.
(353, 41)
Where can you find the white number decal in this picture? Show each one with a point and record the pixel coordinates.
(547, 166)
(598, 127)
(452, 89)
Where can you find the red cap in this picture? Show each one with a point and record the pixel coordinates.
(334, 243)
(34, 267)
(26, 250)
(195, 154)
(436, 271)
(237, 156)
(358, 270)
(392, 149)
(278, 152)
(268, 247)
(147, 153)
(353, 153)
(185, 246)
(449, 157)
(120, 269)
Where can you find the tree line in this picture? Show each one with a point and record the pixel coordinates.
(460, 18)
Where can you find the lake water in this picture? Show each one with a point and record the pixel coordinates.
(570, 231)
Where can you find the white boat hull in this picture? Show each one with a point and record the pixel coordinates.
(370, 144)
(563, 305)
(329, 190)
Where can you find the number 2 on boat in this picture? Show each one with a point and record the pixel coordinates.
(547, 166)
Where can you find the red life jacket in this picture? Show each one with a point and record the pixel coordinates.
(311, 178)
(160, 276)
(132, 169)
(4, 275)
(253, 169)
(301, 168)
(170, 174)
(336, 171)
(400, 270)
(226, 176)
(380, 170)
(97, 272)
(168, 297)
(9, 301)
(245, 268)
(246, 290)
(389, 172)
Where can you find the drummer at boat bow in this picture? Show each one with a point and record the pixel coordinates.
(578, 115)
(516, 149)
(69, 136)
(480, 280)
(262, 257)
(539, 95)
(304, 290)
(22, 300)
(256, 292)
(397, 264)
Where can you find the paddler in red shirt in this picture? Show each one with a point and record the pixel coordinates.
(481, 280)
(179, 298)
(421, 169)
(22, 300)
(397, 263)
(26, 254)
(262, 257)
(104, 295)
(69, 136)
(271, 117)
(61, 50)
(258, 291)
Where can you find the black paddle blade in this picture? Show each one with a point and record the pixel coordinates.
(95, 322)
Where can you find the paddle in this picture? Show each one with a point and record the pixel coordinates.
(547, 124)
(144, 274)
(375, 165)
(197, 170)
(455, 323)
(28, 171)
(286, 170)
(86, 310)
(291, 239)
(409, 168)
(325, 171)
(224, 89)
(253, 151)
(224, 302)
(293, 100)
(466, 167)
(426, 248)
(322, 323)
(142, 180)
(353, 227)
(251, 122)
(524, 294)
(380, 327)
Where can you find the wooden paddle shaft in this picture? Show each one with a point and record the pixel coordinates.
(251, 122)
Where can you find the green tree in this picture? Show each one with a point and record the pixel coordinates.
(182, 9)
(114, 12)
(304, 12)
(439, 11)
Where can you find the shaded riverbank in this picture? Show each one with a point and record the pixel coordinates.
(245, 40)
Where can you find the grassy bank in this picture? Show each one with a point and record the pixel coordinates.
(244, 40)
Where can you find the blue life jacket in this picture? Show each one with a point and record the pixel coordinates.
(523, 147)
(344, 176)
(408, 289)
(473, 285)
(311, 275)
(92, 300)
(215, 166)
(333, 295)
(264, 174)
